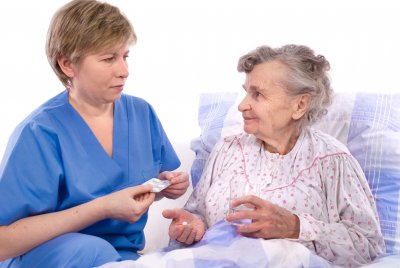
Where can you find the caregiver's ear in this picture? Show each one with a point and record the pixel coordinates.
(66, 66)
(301, 104)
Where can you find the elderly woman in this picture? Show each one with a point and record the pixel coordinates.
(312, 189)
(71, 179)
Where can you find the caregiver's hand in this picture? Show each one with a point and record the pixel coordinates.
(185, 227)
(179, 183)
(128, 204)
(267, 220)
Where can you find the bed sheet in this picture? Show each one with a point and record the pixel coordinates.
(223, 247)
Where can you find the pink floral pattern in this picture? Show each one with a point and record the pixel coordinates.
(319, 181)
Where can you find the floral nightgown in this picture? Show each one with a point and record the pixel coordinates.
(318, 180)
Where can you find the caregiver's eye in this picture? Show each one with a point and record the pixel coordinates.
(110, 59)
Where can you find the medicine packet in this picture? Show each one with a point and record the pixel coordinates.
(158, 185)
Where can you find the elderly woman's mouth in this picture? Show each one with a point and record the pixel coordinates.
(247, 119)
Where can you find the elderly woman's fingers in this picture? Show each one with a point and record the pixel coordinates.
(239, 215)
(199, 235)
(257, 230)
(248, 228)
(254, 235)
(191, 238)
(277, 223)
(184, 236)
(250, 201)
(175, 231)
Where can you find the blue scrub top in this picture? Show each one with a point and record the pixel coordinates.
(53, 161)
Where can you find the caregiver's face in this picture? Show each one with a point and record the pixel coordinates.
(267, 110)
(100, 77)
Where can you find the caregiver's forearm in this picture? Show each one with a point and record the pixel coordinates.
(28, 233)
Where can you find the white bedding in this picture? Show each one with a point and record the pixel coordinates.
(223, 247)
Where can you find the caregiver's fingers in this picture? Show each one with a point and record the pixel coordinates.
(175, 177)
(148, 198)
(173, 192)
(145, 197)
(180, 181)
(139, 190)
(177, 187)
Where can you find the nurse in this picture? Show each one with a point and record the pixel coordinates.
(72, 190)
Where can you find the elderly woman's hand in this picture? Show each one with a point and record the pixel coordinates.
(267, 220)
(185, 227)
(179, 183)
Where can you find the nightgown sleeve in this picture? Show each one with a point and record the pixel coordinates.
(353, 231)
(196, 203)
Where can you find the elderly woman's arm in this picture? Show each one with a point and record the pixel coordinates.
(188, 225)
(353, 231)
(350, 236)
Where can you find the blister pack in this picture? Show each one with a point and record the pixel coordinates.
(158, 185)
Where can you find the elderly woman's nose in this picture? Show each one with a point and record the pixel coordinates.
(244, 106)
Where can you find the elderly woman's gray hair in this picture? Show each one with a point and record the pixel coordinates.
(308, 74)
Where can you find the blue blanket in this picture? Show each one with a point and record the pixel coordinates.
(223, 247)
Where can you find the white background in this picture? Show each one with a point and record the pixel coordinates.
(190, 46)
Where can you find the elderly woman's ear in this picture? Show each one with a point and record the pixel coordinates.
(301, 104)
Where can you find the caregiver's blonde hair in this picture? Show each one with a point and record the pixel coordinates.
(82, 27)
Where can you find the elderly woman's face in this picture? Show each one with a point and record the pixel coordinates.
(267, 110)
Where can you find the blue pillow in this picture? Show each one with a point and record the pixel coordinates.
(374, 140)
(213, 111)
